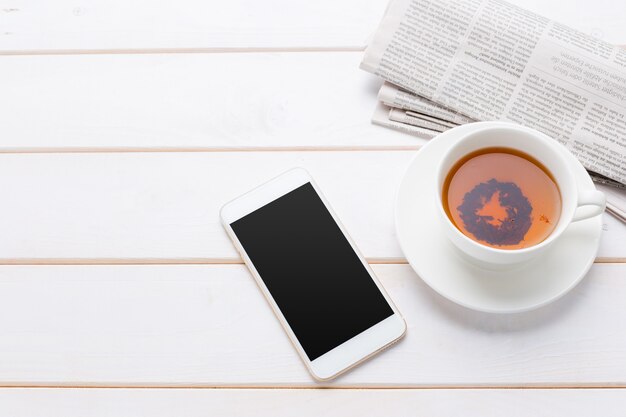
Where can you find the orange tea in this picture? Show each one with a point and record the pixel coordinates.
(502, 198)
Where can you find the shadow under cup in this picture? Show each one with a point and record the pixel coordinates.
(544, 150)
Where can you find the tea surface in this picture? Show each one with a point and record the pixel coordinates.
(502, 198)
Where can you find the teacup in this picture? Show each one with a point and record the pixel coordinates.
(576, 204)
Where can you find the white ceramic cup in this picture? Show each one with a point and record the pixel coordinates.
(576, 204)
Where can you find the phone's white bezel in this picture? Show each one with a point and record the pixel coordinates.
(349, 353)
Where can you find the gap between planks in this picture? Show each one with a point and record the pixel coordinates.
(321, 387)
(193, 261)
(161, 261)
(217, 149)
(214, 50)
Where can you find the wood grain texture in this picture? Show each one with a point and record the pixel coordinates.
(115, 25)
(279, 403)
(190, 101)
(194, 325)
(163, 207)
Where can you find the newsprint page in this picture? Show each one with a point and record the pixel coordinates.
(490, 60)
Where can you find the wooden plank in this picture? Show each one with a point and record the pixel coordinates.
(190, 101)
(115, 25)
(277, 403)
(208, 325)
(163, 207)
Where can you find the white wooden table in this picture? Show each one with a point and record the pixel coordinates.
(126, 125)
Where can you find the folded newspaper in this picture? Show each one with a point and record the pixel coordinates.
(449, 62)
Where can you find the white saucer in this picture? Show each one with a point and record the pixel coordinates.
(441, 266)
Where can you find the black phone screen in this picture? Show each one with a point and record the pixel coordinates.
(311, 270)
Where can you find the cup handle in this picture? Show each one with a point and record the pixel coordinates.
(593, 198)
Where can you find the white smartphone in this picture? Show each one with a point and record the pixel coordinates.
(320, 287)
